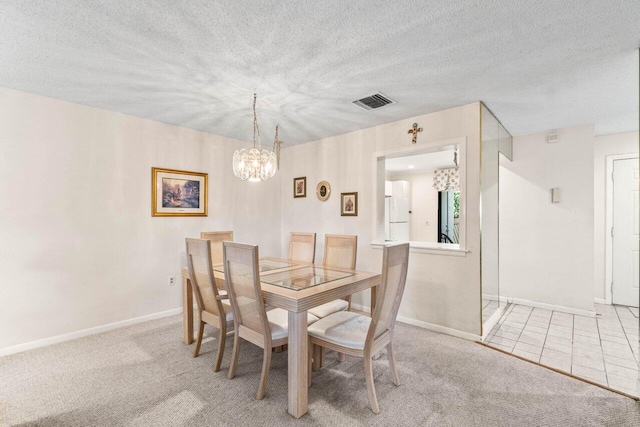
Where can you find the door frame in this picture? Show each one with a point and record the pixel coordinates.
(608, 267)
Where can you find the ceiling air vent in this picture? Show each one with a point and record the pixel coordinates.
(374, 101)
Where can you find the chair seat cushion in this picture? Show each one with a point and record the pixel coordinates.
(344, 328)
(226, 304)
(329, 308)
(279, 322)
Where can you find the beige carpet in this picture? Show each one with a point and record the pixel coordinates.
(144, 376)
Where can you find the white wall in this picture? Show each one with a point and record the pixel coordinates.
(441, 290)
(79, 246)
(546, 250)
(622, 143)
(424, 206)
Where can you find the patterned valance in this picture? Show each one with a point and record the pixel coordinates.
(446, 179)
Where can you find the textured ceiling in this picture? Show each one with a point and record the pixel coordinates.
(538, 65)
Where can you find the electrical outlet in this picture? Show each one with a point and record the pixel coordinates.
(172, 280)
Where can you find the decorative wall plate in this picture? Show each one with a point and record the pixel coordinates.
(323, 191)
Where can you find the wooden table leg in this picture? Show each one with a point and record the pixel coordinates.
(298, 363)
(187, 311)
(374, 292)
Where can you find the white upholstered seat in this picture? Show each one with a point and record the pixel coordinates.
(331, 307)
(228, 313)
(279, 322)
(344, 328)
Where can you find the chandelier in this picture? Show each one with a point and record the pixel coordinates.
(257, 164)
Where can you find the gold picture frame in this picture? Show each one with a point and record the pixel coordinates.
(323, 191)
(178, 193)
(300, 187)
(349, 204)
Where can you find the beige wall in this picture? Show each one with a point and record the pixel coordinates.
(622, 143)
(79, 246)
(546, 249)
(81, 249)
(441, 290)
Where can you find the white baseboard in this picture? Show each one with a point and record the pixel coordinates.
(440, 329)
(429, 326)
(599, 300)
(361, 307)
(85, 332)
(569, 310)
(491, 321)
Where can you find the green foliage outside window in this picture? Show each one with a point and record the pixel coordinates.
(456, 204)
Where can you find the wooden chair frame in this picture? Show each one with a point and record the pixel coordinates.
(338, 240)
(248, 254)
(341, 240)
(309, 238)
(217, 237)
(373, 344)
(205, 316)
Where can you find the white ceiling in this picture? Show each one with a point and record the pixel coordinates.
(538, 65)
(420, 162)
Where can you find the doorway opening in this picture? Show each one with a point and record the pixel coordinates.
(623, 223)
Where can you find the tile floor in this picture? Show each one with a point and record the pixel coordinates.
(488, 308)
(603, 349)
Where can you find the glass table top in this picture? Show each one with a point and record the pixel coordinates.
(304, 277)
(265, 265)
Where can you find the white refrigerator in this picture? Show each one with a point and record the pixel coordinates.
(396, 211)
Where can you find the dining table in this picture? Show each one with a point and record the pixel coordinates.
(296, 287)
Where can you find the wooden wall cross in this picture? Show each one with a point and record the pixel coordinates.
(415, 131)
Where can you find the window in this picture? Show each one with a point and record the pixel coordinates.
(423, 200)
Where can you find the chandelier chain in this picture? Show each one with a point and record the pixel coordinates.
(256, 128)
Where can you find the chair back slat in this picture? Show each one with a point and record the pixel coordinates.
(340, 251)
(216, 238)
(242, 277)
(201, 276)
(394, 276)
(302, 247)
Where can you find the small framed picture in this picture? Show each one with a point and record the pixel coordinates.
(300, 187)
(323, 191)
(349, 204)
(178, 193)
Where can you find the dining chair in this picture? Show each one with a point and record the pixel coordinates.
(339, 252)
(216, 238)
(213, 307)
(251, 320)
(363, 336)
(302, 247)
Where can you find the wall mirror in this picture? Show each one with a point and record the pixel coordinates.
(496, 143)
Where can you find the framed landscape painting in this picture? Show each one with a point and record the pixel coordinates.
(178, 193)
(349, 204)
